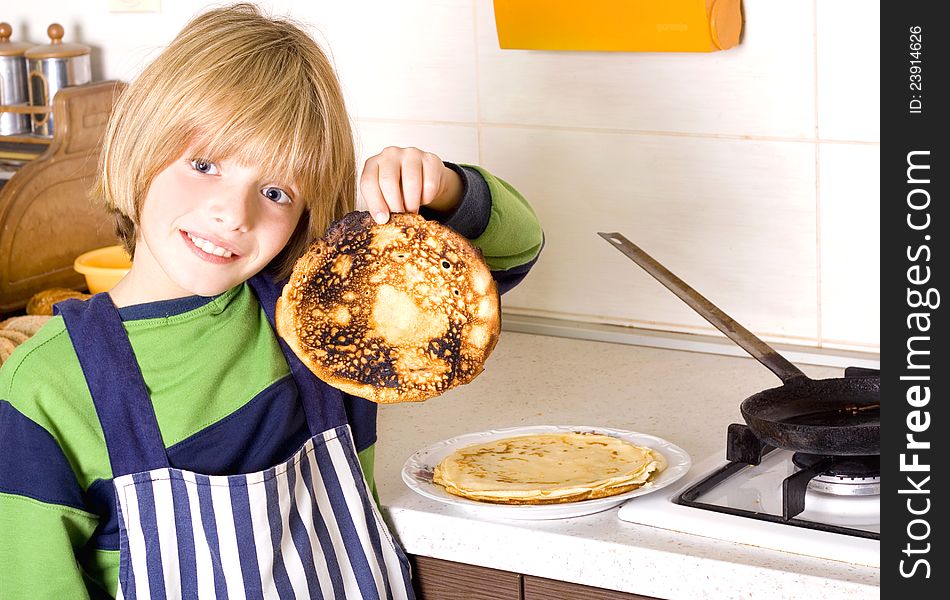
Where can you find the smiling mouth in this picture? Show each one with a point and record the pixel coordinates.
(208, 247)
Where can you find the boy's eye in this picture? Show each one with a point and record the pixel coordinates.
(204, 166)
(275, 194)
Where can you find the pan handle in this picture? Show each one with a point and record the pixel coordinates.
(759, 350)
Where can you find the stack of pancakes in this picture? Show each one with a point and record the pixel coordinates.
(548, 468)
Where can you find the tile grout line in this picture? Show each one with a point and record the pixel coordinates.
(724, 136)
(478, 86)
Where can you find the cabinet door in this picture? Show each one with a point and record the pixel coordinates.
(537, 588)
(435, 579)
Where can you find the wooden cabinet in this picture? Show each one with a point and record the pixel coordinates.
(435, 579)
(538, 588)
(46, 216)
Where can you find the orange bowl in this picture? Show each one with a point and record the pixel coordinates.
(103, 267)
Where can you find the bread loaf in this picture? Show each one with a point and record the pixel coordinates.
(42, 302)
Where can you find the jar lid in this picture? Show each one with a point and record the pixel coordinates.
(8, 48)
(56, 48)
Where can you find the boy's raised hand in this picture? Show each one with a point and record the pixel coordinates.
(405, 179)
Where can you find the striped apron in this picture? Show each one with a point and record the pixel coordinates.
(305, 528)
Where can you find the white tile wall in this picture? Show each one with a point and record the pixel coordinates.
(402, 60)
(850, 201)
(849, 77)
(751, 173)
(734, 219)
(763, 87)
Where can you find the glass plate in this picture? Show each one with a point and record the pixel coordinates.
(417, 473)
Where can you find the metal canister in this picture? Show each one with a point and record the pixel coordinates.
(13, 88)
(52, 67)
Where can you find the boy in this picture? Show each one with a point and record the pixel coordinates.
(158, 440)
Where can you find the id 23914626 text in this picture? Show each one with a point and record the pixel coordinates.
(916, 82)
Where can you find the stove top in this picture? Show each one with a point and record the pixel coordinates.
(819, 505)
(761, 492)
(806, 483)
(748, 504)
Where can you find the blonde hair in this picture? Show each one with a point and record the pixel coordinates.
(235, 84)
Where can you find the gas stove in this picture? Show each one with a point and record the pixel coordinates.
(820, 506)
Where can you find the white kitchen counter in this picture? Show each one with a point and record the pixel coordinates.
(685, 397)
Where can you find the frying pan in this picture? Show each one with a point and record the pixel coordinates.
(818, 416)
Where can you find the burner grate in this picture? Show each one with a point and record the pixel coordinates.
(832, 475)
(690, 497)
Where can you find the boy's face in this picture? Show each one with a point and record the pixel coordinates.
(206, 227)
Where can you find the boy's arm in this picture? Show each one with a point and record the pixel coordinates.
(36, 549)
(498, 220)
(42, 523)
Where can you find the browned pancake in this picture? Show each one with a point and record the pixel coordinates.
(399, 312)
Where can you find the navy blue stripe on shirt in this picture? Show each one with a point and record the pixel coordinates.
(264, 432)
(32, 464)
(187, 560)
(244, 534)
(100, 497)
(471, 215)
(361, 414)
(281, 579)
(509, 278)
(149, 523)
(206, 508)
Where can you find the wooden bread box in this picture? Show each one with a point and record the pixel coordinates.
(46, 216)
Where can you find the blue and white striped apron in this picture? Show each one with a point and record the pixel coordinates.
(306, 528)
